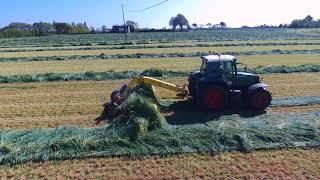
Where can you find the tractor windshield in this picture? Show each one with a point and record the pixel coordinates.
(223, 68)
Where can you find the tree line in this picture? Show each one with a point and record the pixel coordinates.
(182, 22)
(18, 29)
(307, 22)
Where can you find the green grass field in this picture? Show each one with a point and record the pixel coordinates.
(24, 106)
(200, 36)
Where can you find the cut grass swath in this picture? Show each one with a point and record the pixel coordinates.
(112, 75)
(225, 133)
(143, 131)
(152, 55)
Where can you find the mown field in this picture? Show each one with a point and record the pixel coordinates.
(175, 64)
(24, 106)
(34, 105)
(169, 37)
(159, 50)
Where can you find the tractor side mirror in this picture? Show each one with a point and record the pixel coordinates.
(243, 67)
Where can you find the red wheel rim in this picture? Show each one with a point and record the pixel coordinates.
(261, 100)
(214, 99)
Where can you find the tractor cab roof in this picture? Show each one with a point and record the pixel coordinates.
(218, 58)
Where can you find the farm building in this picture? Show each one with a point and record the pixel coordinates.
(120, 29)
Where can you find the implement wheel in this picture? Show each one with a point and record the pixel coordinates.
(260, 99)
(213, 98)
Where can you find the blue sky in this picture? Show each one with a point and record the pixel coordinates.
(108, 12)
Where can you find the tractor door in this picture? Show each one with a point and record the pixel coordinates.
(204, 67)
(228, 72)
(234, 75)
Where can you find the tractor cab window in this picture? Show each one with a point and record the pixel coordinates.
(228, 70)
(228, 67)
(204, 67)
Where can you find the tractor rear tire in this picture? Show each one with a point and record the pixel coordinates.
(213, 98)
(260, 99)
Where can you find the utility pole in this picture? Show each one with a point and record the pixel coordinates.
(124, 25)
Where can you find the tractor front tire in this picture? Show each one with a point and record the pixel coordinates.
(213, 98)
(260, 99)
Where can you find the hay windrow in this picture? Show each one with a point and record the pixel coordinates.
(137, 46)
(141, 115)
(143, 131)
(222, 134)
(113, 75)
(296, 101)
(152, 55)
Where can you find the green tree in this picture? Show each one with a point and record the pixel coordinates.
(223, 24)
(81, 28)
(179, 20)
(173, 23)
(307, 22)
(182, 21)
(19, 26)
(104, 29)
(63, 28)
(17, 29)
(85, 26)
(195, 26)
(42, 28)
(92, 30)
(133, 25)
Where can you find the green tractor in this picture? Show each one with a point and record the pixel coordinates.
(218, 84)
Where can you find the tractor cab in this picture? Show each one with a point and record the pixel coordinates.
(217, 83)
(217, 67)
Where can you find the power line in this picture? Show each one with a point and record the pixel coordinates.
(158, 4)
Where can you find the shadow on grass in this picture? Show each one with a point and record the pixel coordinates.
(185, 112)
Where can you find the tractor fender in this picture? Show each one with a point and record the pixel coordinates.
(257, 86)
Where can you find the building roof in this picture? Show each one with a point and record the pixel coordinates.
(218, 57)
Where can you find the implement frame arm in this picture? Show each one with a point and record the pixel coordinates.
(181, 90)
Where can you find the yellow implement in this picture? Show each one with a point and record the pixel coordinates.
(182, 92)
(118, 96)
